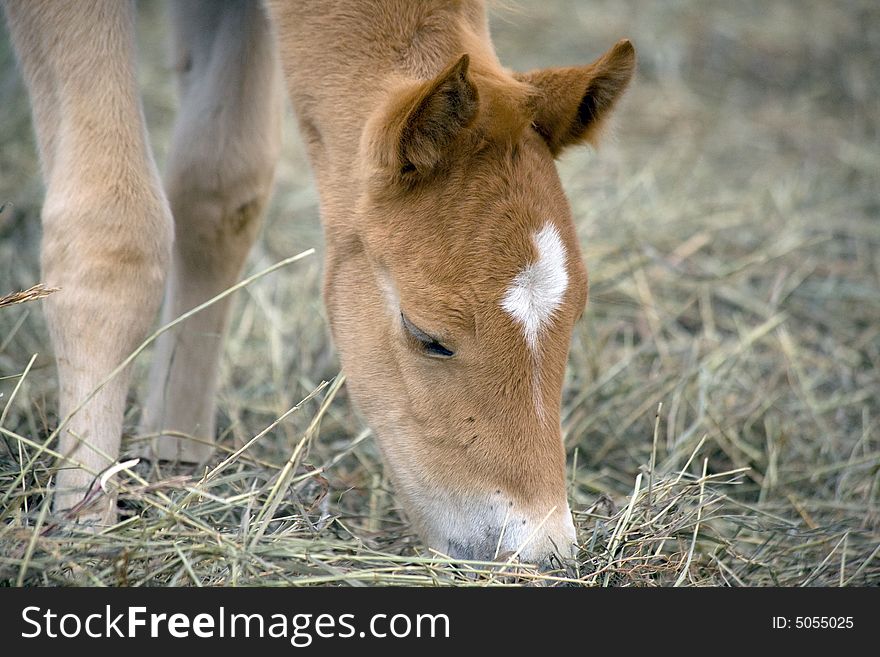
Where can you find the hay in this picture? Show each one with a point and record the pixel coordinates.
(231, 527)
(732, 235)
(33, 293)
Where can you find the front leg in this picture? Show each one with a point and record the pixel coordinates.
(106, 223)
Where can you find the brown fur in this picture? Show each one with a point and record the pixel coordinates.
(435, 170)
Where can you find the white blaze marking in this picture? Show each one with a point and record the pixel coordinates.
(537, 291)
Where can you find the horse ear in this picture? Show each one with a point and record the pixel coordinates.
(572, 104)
(427, 120)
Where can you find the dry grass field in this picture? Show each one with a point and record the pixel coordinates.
(722, 405)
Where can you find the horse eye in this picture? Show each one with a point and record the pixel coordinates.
(430, 345)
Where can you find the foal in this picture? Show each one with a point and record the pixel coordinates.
(453, 275)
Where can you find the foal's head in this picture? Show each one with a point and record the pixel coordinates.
(454, 296)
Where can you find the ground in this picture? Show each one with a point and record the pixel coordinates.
(723, 392)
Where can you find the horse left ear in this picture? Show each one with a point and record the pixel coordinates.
(572, 104)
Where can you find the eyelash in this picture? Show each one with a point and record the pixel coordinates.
(429, 344)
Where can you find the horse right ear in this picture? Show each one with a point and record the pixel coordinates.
(572, 104)
(422, 124)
